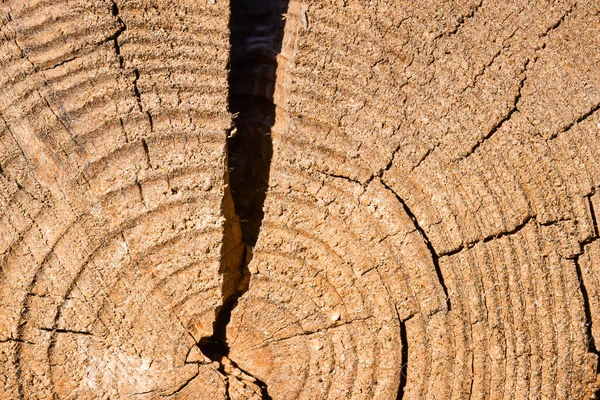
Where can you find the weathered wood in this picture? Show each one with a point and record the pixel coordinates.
(118, 239)
(429, 173)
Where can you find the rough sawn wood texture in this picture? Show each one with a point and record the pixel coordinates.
(430, 223)
(114, 214)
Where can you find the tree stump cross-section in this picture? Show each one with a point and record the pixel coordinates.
(273, 199)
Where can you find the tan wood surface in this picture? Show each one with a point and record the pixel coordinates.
(430, 174)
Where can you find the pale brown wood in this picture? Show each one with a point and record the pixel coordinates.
(116, 229)
(429, 172)
(425, 149)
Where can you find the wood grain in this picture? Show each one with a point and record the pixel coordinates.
(416, 184)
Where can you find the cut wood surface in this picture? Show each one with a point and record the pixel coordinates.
(334, 199)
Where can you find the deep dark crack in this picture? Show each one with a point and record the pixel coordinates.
(115, 13)
(591, 343)
(434, 255)
(403, 361)
(593, 215)
(256, 37)
(215, 347)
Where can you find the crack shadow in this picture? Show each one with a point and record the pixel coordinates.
(256, 28)
(256, 40)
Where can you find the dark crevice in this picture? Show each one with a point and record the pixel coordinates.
(514, 108)
(150, 121)
(389, 164)
(427, 153)
(256, 28)
(60, 63)
(591, 343)
(9, 340)
(136, 91)
(507, 117)
(115, 10)
(343, 177)
(593, 215)
(140, 192)
(478, 75)
(487, 239)
(434, 255)
(558, 23)
(496, 236)
(138, 98)
(256, 40)
(403, 361)
(59, 330)
(461, 21)
(215, 347)
(115, 36)
(136, 72)
(146, 152)
(183, 385)
(582, 118)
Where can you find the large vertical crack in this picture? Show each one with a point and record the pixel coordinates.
(587, 307)
(114, 37)
(256, 28)
(403, 361)
(591, 343)
(256, 40)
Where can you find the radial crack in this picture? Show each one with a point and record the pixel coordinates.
(580, 119)
(256, 34)
(593, 215)
(256, 39)
(59, 330)
(434, 255)
(591, 343)
(403, 361)
(114, 37)
(495, 236)
(513, 109)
